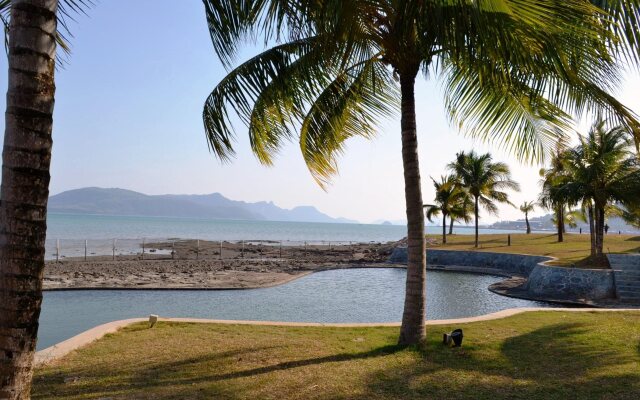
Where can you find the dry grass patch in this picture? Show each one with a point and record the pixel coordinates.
(542, 355)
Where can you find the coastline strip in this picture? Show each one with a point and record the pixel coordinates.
(63, 348)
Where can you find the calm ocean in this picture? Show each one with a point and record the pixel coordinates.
(70, 231)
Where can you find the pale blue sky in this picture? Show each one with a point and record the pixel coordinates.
(128, 114)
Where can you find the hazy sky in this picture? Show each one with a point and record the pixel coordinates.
(128, 115)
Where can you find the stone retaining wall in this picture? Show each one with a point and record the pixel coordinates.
(504, 264)
(543, 281)
(574, 284)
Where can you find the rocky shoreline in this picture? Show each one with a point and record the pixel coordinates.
(242, 266)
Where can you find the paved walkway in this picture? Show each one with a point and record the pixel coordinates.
(61, 349)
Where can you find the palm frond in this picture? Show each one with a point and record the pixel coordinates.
(350, 106)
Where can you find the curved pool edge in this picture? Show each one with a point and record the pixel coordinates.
(65, 347)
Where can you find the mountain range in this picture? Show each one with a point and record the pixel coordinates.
(114, 201)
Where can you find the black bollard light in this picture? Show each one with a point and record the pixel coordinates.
(457, 336)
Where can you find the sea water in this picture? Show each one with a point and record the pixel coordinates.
(67, 233)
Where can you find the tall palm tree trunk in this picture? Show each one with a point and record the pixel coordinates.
(25, 188)
(444, 228)
(599, 211)
(526, 220)
(560, 222)
(412, 330)
(476, 216)
(451, 220)
(592, 232)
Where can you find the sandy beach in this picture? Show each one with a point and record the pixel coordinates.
(199, 266)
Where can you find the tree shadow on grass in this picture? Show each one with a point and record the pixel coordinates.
(285, 365)
(53, 382)
(181, 376)
(554, 362)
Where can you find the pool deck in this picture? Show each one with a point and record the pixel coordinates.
(63, 348)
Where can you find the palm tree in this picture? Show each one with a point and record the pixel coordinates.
(462, 210)
(552, 178)
(526, 208)
(449, 197)
(602, 171)
(25, 189)
(484, 180)
(31, 46)
(334, 67)
(631, 214)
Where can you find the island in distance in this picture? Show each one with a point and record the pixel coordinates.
(114, 201)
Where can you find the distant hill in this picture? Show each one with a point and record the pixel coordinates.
(115, 201)
(390, 222)
(544, 223)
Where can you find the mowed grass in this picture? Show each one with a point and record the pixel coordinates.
(574, 250)
(541, 355)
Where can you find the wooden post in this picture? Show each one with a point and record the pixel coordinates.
(85, 249)
(197, 249)
(114, 249)
(57, 249)
(242, 250)
(509, 240)
(221, 249)
(329, 245)
(173, 250)
(305, 249)
(143, 248)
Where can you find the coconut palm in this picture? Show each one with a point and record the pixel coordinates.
(602, 171)
(631, 214)
(526, 208)
(552, 178)
(462, 210)
(449, 197)
(32, 27)
(484, 180)
(333, 69)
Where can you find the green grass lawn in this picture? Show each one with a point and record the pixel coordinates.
(541, 355)
(574, 250)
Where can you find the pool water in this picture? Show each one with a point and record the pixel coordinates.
(345, 295)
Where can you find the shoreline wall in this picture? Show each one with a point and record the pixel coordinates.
(571, 284)
(483, 262)
(542, 281)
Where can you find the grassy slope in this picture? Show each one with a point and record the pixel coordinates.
(573, 250)
(542, 355)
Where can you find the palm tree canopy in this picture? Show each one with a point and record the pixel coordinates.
(512, 71)
(449, 198)
(527, 206)
(602, 168)
(554, 177)
(484, 179)
(631, 214)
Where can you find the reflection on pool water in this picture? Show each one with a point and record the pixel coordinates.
(346, 295)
